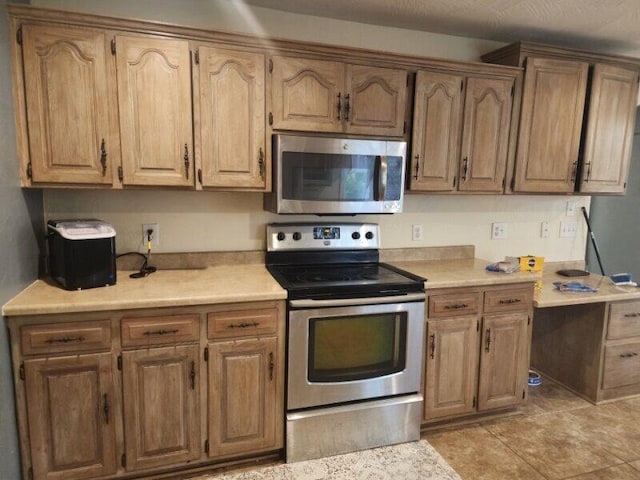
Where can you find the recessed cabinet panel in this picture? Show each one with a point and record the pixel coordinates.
(71, 422)
(161, 406)
(436, 131)
(485, 137)
(377, 100)
(503, 360)
(305, 94)
(609, 135)
(550, 125)
(232, 118)
(154, 92)
(242, 396)
(451, 367)
(69, 111)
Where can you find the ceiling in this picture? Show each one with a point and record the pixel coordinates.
(611, 26)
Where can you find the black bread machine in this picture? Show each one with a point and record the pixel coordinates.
(82, 253)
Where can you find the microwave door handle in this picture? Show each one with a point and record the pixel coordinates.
(382, 176)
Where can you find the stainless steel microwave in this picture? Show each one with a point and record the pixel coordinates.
(320, 175)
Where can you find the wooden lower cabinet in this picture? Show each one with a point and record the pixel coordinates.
(161, 406)
(476, 360)
(146, 392)
(592, 349)
(242, 396)
(71, 422)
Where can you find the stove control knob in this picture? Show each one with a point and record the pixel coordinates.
(280, 236)
(297, 236)
(369, 235)
(355, 235)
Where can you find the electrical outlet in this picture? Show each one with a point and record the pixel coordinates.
(568, 229)
(571, 208)
(416, 233)
(155, 236)
(498, 231)
(545, 230)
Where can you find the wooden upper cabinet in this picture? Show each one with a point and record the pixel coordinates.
(485, 137)
(503, 360)
(70, 407)
(307, 94)
(326, 96)
(232, 142)
(154, 94)
(376, 100)
(609, 134)
(70, 102)
(161, 406)
(436, 131)
(553, 100)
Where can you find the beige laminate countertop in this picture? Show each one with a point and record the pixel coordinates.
(164, 288)
(549, 296)
(469, 272)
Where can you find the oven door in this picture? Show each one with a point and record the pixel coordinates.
(340, 352)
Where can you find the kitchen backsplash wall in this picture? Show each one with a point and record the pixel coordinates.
(211, 221)
(205, 221)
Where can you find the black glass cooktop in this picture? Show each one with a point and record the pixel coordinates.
(345, 280)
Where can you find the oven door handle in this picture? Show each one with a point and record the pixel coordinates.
(344, 302)
(381, 161)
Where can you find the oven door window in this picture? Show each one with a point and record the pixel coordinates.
(330, 177)
(357, 347)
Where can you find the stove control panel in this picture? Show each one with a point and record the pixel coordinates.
(322, 236)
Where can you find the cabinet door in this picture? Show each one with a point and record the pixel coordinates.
(154, 94)
(485, 134)
(69, 89)
(376, 100)
(451, 367)
(436, 131)
(161, 409)
(550, 125)
(242, 396)
(232, 123)
(503, 360)
(70, 407)
(612, 116)
(307, 94)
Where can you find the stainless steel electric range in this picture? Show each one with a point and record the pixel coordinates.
(355, 331)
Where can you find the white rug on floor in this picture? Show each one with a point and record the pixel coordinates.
(407, 461)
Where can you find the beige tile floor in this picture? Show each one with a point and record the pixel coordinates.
(557, 436)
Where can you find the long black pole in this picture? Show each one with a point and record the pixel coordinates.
(593, 240)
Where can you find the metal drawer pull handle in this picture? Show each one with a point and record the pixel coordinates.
(103, 157)
(161, 332)
(65, 339)
(488, 347)
(456, 306)
(509, 301)
(271, 366)
(432, 346)
(244, 325)
(192, 375)
(632, 315)
(186, 160)
(106, 409)
(628, 355)
(417, 167)
(347, 106)
(339, 106)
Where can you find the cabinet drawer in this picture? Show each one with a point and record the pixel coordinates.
(454, 304)
(507, 300)
(242, 323)
(160, 330)
(621, 365)
(66, 337)
(624, 320)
